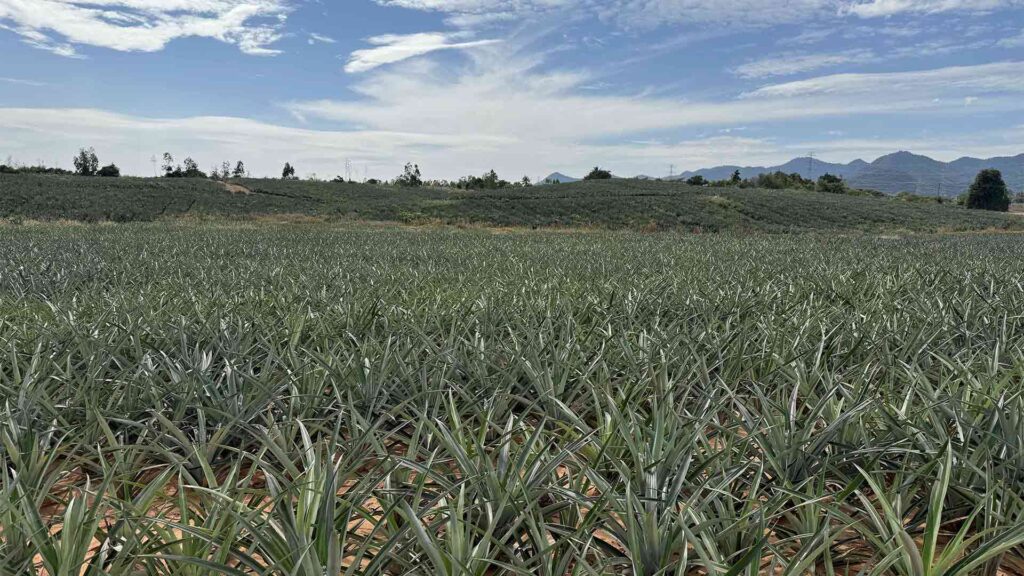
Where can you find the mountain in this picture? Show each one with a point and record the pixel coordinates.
(557, 177)
(893, 173)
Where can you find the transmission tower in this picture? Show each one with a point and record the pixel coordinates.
(810, 165)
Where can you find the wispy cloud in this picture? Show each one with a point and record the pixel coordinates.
(651, 13)
(789, 64)
(315, 38)
(21, 82)
(999, 77)
(392, 48)
(1013, 42)
(531, 115)
(144, 25)
(878, 8)
(45, 133)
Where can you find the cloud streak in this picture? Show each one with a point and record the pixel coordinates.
(789, 64)
(881, 8)
(652, 13)
(392, 48)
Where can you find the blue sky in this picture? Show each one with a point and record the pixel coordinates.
(522, 86)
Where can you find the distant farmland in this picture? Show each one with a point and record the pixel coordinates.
(617, 204)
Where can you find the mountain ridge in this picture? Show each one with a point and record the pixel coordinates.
(901, 171)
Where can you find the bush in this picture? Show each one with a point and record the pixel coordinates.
(598, 174)
(109, 171)
(697, 180)
(831, 184)
(781, 181)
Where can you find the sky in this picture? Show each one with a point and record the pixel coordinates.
(526, 87)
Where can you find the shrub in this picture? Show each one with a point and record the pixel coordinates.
(831, 184)
(109, 171)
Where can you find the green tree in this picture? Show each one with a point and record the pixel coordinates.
(988, 192)
(598, 174)
(697, 180)
(736, 178)
(411, 176)
(192, 169)
(239, 171)
(109, 171)
(86, 162)
(168, 164)
(831, 184)
(288, 173)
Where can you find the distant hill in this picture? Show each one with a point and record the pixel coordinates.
(893, 173)
(618, 204)
(557, 177)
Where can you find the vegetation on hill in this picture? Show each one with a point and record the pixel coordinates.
(610, 204)
(598, 174)
(181, 399)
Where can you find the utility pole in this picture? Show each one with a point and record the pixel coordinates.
(671, 171)
(810, 166)
(348, 169)
(152, 160)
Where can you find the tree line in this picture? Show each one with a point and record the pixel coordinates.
(988, 191)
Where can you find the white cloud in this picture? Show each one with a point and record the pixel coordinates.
(1013, 42)
(507, 95)
(531, 117)
(22, 82)
(130, 141)
(877, 8)
(743, 12)
(143, 25)
(638, 12)
(315, 38)
(392, 48)
(510, 111)
(999, 77)
(789, 64)
(650, 13)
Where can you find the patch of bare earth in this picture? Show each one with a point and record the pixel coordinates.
(235, 188)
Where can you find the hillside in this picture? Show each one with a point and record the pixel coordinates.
(616, 204)
(892, 173)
